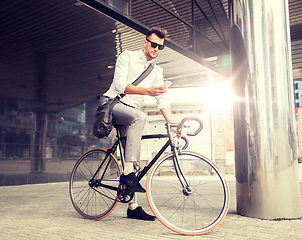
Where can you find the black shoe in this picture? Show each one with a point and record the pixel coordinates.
(139, 213)
(131, 182)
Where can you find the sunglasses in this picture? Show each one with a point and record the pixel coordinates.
(154, 45)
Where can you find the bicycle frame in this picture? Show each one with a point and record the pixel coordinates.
(159, 153)
(142, 173)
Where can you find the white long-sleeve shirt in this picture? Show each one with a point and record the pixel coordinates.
(129, 66)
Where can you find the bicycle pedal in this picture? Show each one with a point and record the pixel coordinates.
(125, 195)
(123, 187)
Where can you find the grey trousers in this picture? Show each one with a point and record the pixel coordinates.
(130, 122)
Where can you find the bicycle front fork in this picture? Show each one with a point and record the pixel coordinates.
(187, 189)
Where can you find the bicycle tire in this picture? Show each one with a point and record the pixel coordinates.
(94, 202)
(201, 211)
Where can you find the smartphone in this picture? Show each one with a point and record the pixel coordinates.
(167, 84)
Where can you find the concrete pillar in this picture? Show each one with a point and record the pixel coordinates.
(266, 163)
(38, 143)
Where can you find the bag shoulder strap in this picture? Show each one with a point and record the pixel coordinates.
(144, 74)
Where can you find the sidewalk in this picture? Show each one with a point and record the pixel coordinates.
(44, 211)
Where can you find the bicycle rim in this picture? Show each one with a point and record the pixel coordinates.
(94, 202)
(196, 213)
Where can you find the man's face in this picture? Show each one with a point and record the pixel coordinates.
(149, 51)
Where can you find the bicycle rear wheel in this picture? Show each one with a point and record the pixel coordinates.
(89, 196)
(193, 212)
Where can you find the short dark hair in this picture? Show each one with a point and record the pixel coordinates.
(158, 31)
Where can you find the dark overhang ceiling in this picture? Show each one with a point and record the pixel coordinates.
(57, 54)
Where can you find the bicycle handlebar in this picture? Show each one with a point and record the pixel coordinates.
(198, 130)
(181, 125)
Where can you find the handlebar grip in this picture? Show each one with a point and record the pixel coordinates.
(193, 119)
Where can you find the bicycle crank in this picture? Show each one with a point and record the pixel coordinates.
(124, 194)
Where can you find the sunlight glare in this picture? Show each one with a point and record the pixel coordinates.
(219, 97)
(214, 97)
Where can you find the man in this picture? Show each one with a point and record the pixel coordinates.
(130, 120)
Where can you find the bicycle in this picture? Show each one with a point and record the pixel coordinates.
(185, 190)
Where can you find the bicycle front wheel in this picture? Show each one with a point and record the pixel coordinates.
(93, 184)
(194, 212)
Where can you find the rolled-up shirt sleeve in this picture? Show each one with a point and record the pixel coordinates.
(121, 72)
(162, 101)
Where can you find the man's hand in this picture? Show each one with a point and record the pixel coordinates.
(174, 129)
(166, 112)
(156, 90)
(151, 91)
